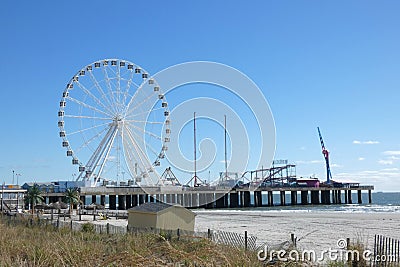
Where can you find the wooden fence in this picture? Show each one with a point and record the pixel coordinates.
(233, 239)
(386, 251)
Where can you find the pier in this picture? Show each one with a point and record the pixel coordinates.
(123, 198)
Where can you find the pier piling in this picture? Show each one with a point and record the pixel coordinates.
(293, 198)
(304, 197)
(215, 198)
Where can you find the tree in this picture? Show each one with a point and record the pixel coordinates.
(34, 196)
(72, 197)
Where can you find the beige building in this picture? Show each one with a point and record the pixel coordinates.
(161, 216)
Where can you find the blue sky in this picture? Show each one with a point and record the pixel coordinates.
(332, 64)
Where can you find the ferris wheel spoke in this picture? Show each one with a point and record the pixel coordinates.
(90, 140)
(139, 152)
(99, 89)
(149, 122)
(98, 159)
(89, 128)
(106, 151)
(139, 104)
(142, 113)
(146, 132)
(87, 105)
(131, 159)
(146, 144)
(87, 117)
(118, 75)
(129, 152)
(128, 86)
(134, 95)
(93, 161)
(109, 87)
(91, 95)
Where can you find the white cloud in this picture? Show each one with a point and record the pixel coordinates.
(334, 165)
(385, 162)
(361, 158)
(391, 169)
(392, 153)
(369, 142)
(392, 156)
(382, 179)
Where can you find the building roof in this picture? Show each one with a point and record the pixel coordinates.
(30, 184)
(151, 207)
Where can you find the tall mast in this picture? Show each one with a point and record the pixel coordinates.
(194, 141)
(226, 154)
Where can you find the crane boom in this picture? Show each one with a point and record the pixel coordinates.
(325, 152)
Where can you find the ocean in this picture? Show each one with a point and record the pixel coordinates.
(381, 202)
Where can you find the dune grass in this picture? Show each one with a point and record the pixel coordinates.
(45, 246)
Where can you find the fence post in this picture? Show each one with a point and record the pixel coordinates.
(348, 243)
(52, 214)
(178, 233)
(245, 240)
(108, 228)
(71, 225)
(375, 250)
(293, 238)
(209, 233)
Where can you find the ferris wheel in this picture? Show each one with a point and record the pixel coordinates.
(114, 123)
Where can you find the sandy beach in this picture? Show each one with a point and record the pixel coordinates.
(317, 230)
(314, 230)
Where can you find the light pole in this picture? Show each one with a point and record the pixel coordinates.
(13, 176)
(18, 175)
(2, 195)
